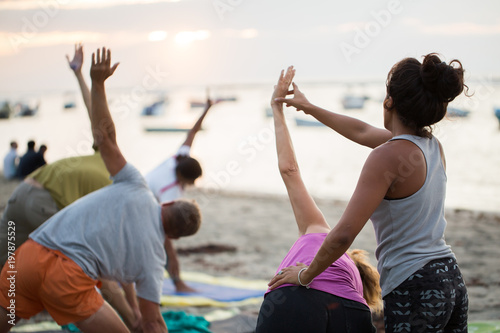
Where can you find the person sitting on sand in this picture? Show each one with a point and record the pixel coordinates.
(30, 161)
(41, 152)
(114, 233)
(339, 298)
(10, 162)
(402, 190)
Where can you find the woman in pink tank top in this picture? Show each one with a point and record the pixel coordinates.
(337, 300)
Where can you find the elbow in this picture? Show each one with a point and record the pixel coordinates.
(288, 170)
(103, 135)
(340, 240)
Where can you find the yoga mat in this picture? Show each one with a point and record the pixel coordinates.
(484, 327)
(44, 326)
(213, 291)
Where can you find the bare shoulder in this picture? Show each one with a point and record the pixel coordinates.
(385, 153)
(396, 156)
(397, 149)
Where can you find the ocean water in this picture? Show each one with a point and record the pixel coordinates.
(236, 146)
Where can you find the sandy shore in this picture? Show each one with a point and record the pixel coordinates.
(261, 228)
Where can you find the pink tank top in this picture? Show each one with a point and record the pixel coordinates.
(340, 279)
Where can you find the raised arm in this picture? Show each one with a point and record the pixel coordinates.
(376, 177)
(103, 128)
(308, 216)
(197, 126)
(76, 66)
(349, 127)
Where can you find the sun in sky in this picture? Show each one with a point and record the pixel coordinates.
(188, 37)
(157, 36)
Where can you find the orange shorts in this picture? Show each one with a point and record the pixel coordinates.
(42, 278)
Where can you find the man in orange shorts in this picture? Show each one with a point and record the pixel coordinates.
(115, 233)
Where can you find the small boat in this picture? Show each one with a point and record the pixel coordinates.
(69, 100)
(69, 105)
(5, 110)
(269, 112)
(197, 104)
(167, 129)
(497, 114)
(353, 101)
(22, 109)
(201, 104)
(308, 122)
(456, 112)
(155, 109)
(226, 99)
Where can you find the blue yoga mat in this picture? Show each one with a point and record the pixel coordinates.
(212, 291)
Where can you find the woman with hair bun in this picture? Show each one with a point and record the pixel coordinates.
(402, 190)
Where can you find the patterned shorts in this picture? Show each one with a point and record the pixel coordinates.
(433, 299)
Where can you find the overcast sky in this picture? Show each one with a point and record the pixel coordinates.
(241, 41)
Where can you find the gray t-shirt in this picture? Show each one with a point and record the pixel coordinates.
(114, 233)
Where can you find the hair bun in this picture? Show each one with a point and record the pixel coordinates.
(444, 81)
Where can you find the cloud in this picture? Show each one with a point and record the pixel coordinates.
(11, 43)
(73, 4)
(453, 29)
(243, 34)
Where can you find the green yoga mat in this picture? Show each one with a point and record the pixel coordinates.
(484, 327)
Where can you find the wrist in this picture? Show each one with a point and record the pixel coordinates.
(308, 108)
(98, 83)
(303, 279)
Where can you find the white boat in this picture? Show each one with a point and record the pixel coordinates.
(156, 108)
(456, 112)
(26, 109)
(353, 101)
(269, 112)
(5, 110)
(167, 129)
(308, 122)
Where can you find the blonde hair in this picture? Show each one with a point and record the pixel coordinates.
(370, 278)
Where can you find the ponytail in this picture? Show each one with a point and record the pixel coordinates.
(370, 278)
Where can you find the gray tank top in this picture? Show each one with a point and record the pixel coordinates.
(410, 231)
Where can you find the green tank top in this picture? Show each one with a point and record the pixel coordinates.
(71, 178)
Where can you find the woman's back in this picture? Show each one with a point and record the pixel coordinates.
(410, 231)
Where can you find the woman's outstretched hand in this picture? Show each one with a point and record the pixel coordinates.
(281, 88)
(298, 101)
(287, 275)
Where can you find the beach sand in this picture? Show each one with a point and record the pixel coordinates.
(256, 232)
